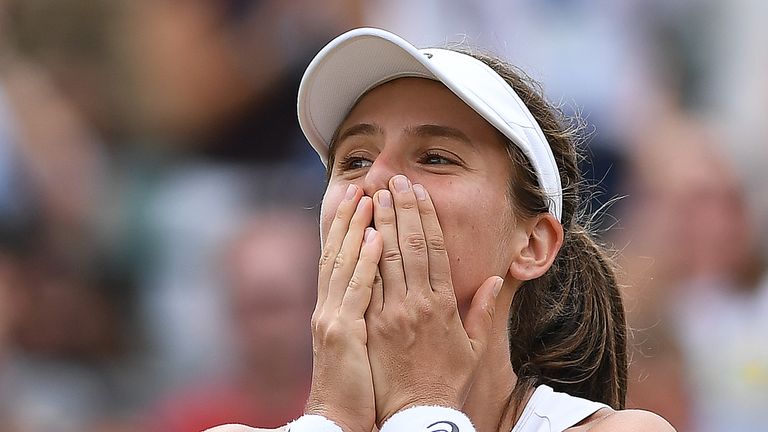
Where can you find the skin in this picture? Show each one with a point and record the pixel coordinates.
(394, 130)
(447, 167)
(408, 316)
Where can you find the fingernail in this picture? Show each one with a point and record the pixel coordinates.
(385, 199)
(370, 234)
(351, 192)
(401, 183)
(421, 193)
(362, 201)
(497, 287)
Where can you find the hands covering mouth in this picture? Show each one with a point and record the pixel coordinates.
(387, 334)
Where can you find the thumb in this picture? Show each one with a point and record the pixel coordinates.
(479, 319)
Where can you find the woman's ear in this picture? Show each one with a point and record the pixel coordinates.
(540, 239)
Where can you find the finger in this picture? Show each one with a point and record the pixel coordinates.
(479, 320)
(438, 262)
(377, 293)
(346, 259)
(410, 235)
(358, 295)
(391, 263)
(333, 241)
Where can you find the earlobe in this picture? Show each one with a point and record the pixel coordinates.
(540, 240)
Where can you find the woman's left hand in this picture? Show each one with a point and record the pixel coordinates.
(342, 385)
(420, 351)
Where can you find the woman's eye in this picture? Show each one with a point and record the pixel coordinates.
(355, 163)
(435, 159)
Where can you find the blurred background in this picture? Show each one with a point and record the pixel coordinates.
(158, 203)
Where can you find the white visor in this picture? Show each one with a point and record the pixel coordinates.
(361, 59)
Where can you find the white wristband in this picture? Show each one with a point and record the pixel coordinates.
(312, 423)
(428, 419)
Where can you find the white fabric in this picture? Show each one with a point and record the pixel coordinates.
(546, 411)
(364, 58)
(312, 423)
(428, 419)
(551, 411)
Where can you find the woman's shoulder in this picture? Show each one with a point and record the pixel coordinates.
(242, 428)
(629, 420)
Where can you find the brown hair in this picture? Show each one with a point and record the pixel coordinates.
(567, 328)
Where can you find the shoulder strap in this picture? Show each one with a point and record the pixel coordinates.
(551, 411)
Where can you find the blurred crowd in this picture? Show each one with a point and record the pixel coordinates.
(158, 203)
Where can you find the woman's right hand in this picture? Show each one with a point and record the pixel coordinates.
(342, 386)
(421, 351)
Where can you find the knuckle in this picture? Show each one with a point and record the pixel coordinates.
(327, 330)
(355, 283)
(391, 256)
(415, 242)
(399, 321)
(335, 333)
(436, 243)
(326, 257)
(319, 324)
(408, 204)
(398, 316)
(338, 262)
(424, 309)
(428, 211)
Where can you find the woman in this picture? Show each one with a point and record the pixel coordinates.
(450, 246)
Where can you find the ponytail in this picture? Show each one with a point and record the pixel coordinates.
(567, 328)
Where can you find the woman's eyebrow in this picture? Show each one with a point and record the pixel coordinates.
(359, 129)
(440, 131)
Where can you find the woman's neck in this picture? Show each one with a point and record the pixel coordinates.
(489, 403)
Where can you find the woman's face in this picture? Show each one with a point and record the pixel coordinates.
(418, 128)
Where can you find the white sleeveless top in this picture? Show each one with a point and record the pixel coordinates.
(551, 411)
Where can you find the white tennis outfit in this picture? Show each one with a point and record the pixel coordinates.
(546, 411)
(551, 411)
